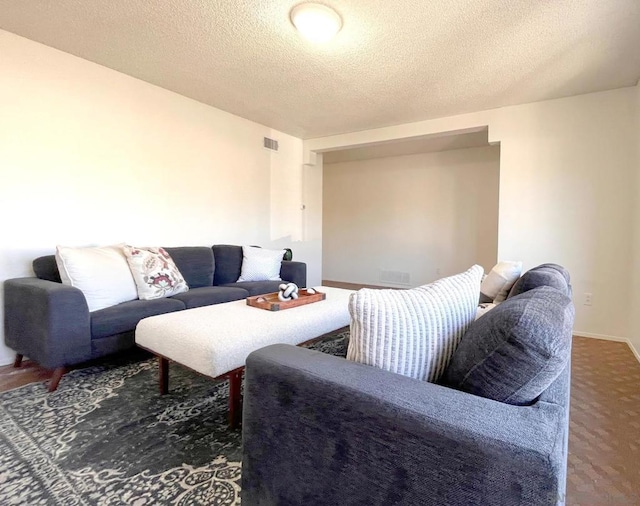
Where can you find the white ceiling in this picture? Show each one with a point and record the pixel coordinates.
(393, 62)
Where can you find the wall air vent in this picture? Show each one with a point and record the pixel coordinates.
(271, 144)
(395, 277)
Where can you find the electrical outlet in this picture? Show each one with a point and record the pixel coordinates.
(588, 299)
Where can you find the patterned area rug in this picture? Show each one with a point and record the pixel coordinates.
(107, 437)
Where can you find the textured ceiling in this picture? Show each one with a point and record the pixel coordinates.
(393, 61)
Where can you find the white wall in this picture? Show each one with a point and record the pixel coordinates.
(429, 215)
(567, 191)
(92, 156)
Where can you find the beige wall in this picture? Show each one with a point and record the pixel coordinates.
(567, 191)
(635, 283)
(92, 156)
(428, 215)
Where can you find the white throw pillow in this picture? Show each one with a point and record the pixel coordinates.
(259, 264)
(154, 272)
(413, 332)
(498, 282)
(100, 273)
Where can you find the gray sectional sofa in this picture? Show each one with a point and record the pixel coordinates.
(50, 322)
(318, 429)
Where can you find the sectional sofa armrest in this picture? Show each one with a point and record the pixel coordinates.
(46, 321)
(295, 272)
(318, 429)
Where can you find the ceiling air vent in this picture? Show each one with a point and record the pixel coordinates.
(271, 144)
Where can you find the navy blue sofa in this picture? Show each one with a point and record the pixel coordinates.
(321, 430)
(51, 324)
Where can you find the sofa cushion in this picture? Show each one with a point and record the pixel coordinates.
(256, 287)
(564, 272)
(124, 317)
(228, 263)
(100, 273)
(543, 275)
(207, 295)
(516, 350)
(260, 264)
(155, 273)
(413, 332)
(195, 263)
(45, 268)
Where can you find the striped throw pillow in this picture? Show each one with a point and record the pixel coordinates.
(413, 332)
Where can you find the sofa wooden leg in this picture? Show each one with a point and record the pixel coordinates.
(163, 367)
(18, 361)
(55, 379)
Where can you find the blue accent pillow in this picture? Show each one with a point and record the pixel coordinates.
(515, 351)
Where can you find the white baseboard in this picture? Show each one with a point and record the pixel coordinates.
(600, 336)
(610, 338)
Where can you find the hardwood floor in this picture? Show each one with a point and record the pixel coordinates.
(604, 435)
(29, 372)
(604, 427)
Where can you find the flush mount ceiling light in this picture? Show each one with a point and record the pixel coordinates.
(316, 22)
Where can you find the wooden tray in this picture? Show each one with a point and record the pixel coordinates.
(270, 301)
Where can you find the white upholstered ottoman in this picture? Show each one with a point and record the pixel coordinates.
(216, 340)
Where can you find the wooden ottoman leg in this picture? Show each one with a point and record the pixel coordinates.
(235, 398)
(163, 367)
(18, 361)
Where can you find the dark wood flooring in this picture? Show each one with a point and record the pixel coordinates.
(29, 372)
(604, 435)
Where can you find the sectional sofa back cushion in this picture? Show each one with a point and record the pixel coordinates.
(195, 263)
(543, 275)
(101, 274)
(515, 351)
(228, 263)
(413, 332)
(45, 268)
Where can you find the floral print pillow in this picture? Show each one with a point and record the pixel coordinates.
(154, 272)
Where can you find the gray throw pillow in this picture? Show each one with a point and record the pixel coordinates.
(515, 351)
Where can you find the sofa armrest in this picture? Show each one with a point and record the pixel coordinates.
(294, 272)
(318, 429)
(48, 322)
